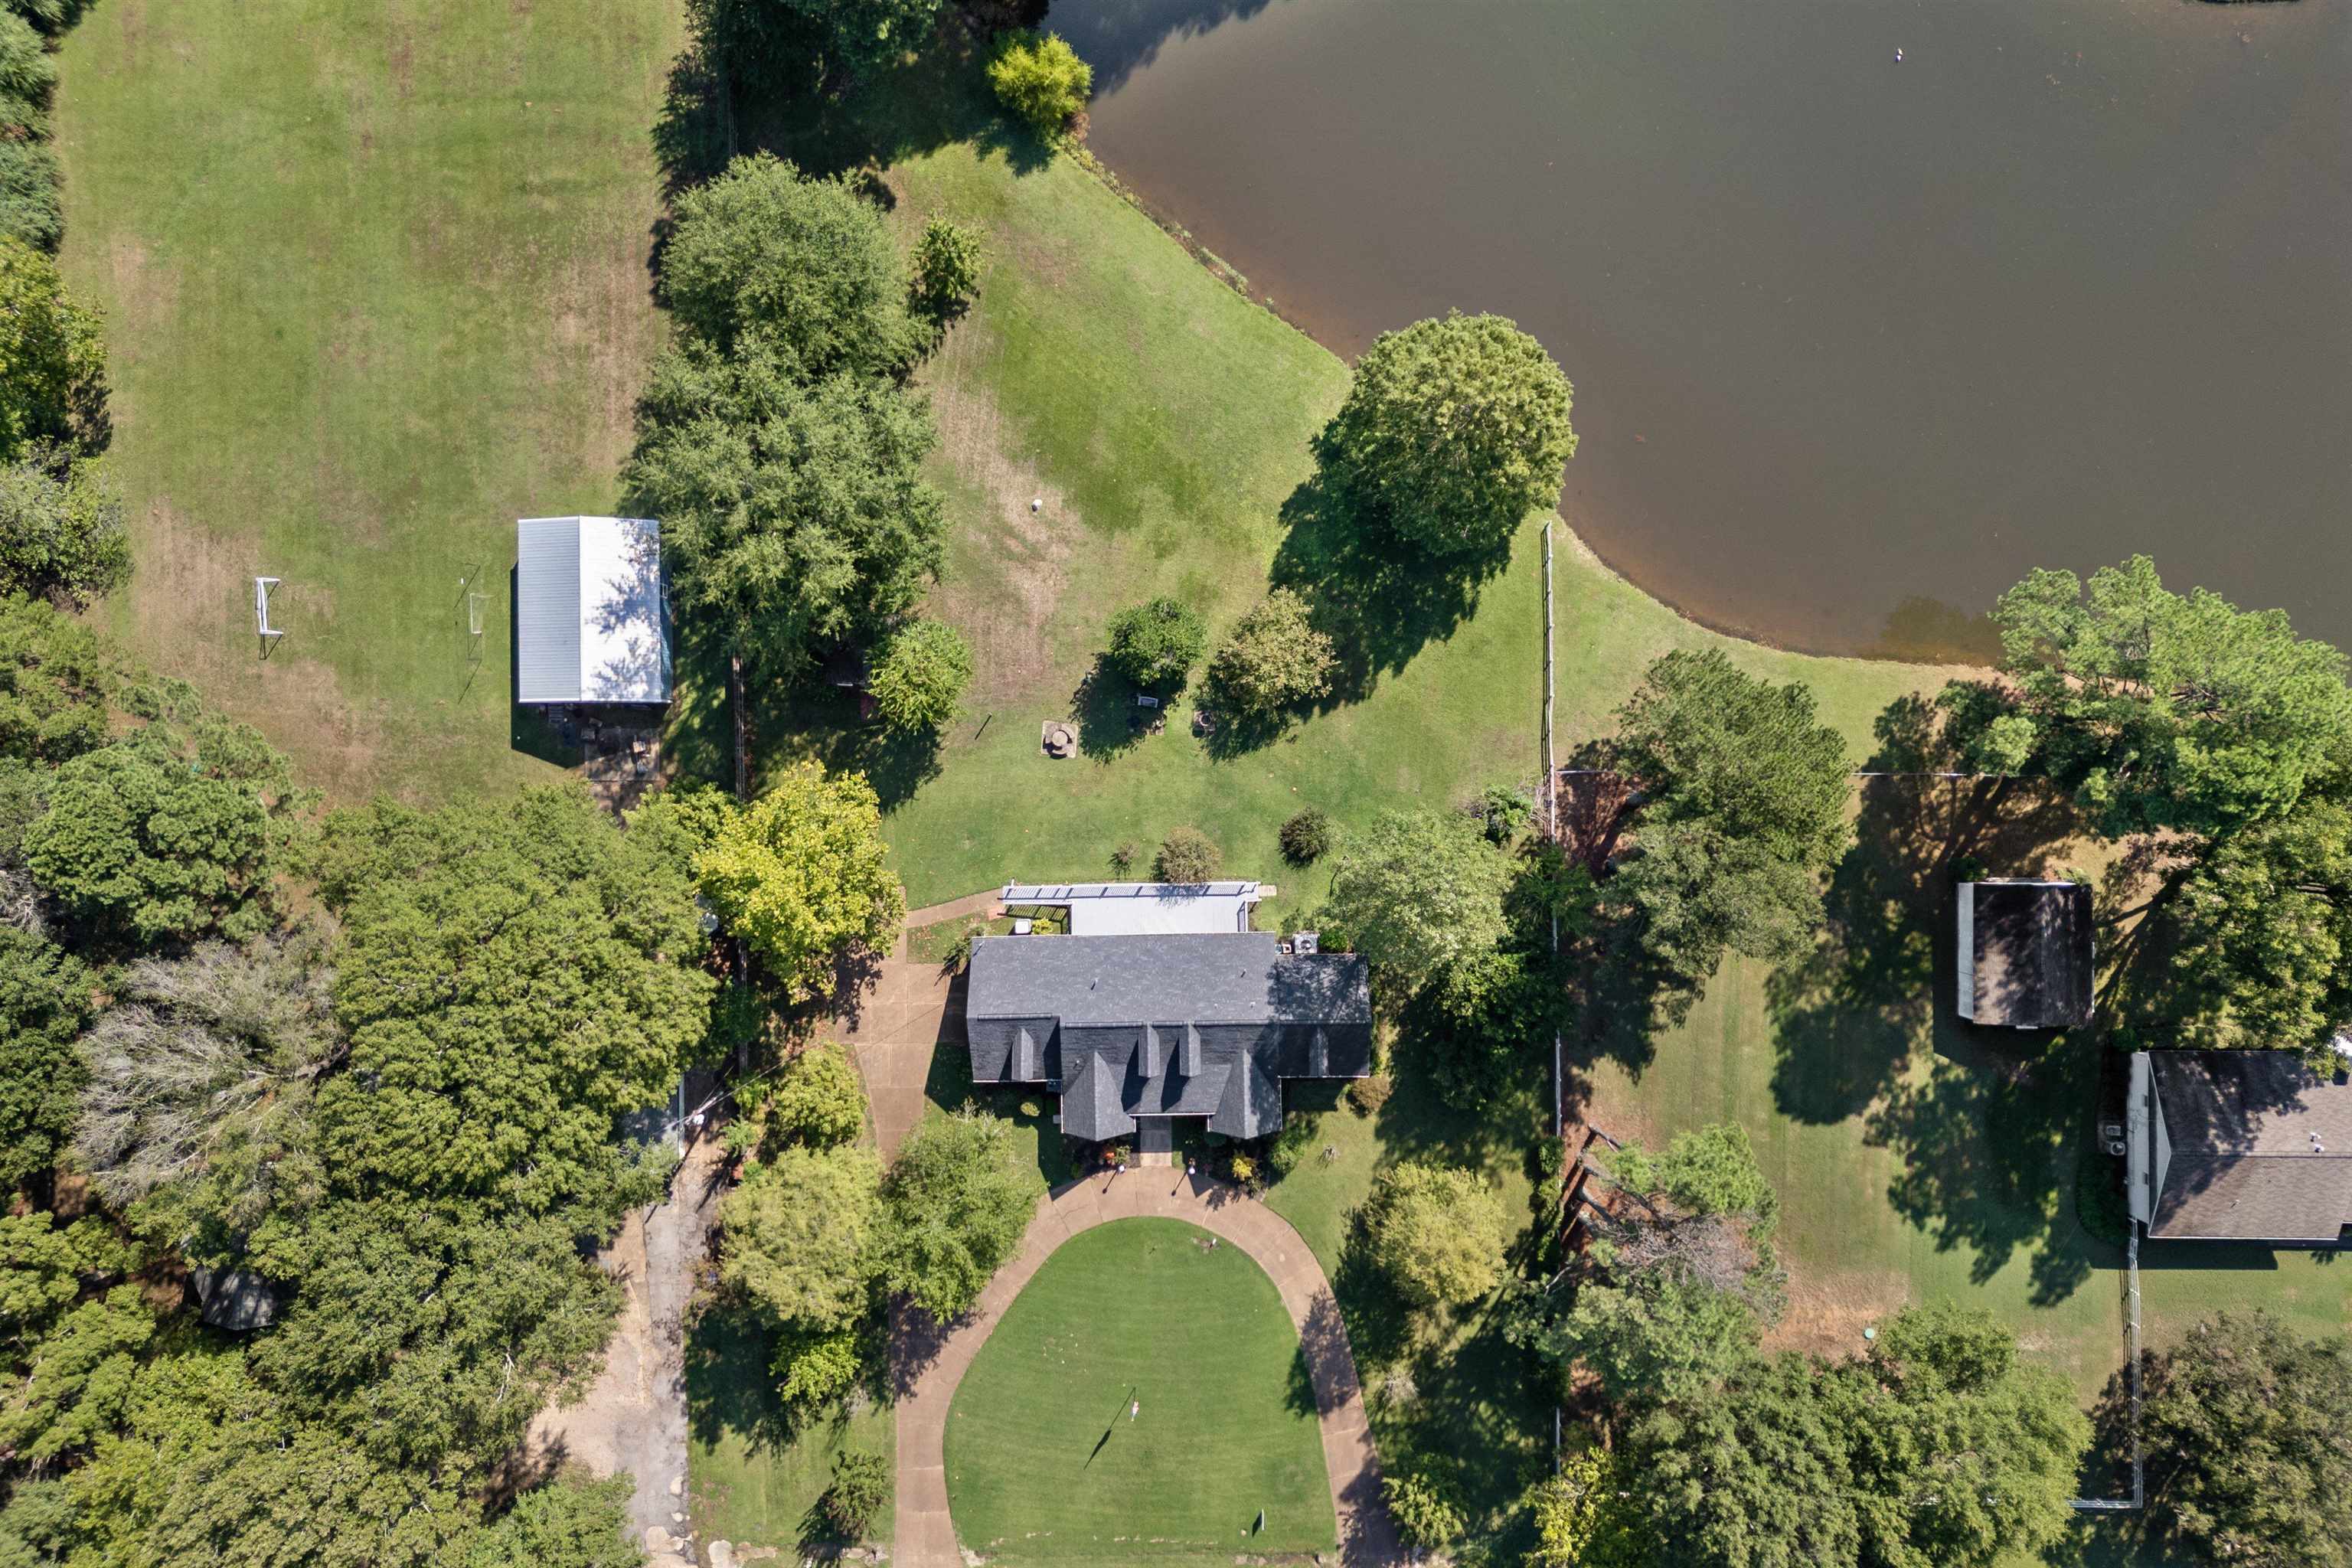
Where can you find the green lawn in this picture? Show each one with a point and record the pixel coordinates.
(375, 280)
(1043, 1464)
(757, 1471)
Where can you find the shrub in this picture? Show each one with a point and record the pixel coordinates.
(1369, 1094)
(1156, 643)
(861, 1484)
(1242, 1168)
(1425, 1513)
(1186, 855)
(1273, 658)
(1436, 1233)
(1299, 1137)
(948, 256)
(1506, 812)
(60, 530)
(816, 1368)
(919, 681)
(1122, 859)
(1041, 79)
(1307, 837)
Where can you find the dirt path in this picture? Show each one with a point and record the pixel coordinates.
(929, 1361)
(632, 1420)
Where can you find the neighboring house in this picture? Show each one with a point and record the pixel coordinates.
(1138, 1028)
(2025, 954)
(1135, 908)
(589, 621)
(2238, 1146)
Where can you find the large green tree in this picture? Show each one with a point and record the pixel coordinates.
(1744, 808)
(805, 265)
(796, 513)
(956, 1203)
(513, 977)
(1418, 890)
(801, 1242)
(57, 681)
(801, 875)
(2244, 1424)
(1435, 1233)
(163, 835)
(44, 997)
(921, 676)
(1452, 433)
(52, 356)
(2164, 711)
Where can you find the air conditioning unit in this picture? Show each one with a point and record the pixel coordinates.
(2111, 1130)
(2117, 1147)
(1307, 941)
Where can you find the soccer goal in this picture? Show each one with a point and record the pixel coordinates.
(261, 627)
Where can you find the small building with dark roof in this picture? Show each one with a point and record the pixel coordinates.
(2025, 954)
(2238, 1146)
(1197, 1024)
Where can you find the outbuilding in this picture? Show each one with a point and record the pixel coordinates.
(2025, 954)
(590, 619)
(2239, 1146)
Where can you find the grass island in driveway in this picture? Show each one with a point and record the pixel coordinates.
(1045, 1463)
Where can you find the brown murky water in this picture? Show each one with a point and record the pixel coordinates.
(1856, 340)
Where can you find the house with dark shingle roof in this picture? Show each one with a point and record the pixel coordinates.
(1134, 1030)
(2238, 1146)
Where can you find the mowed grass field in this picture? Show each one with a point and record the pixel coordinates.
(1043, 1464)
(377, 285)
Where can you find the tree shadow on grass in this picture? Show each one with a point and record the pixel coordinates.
(824, 722)
(1380, 601)
(729, 1386)
(1105, 711)
(1848, 1017)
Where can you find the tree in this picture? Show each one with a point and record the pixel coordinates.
(1745, 808)
(806, 265)
(76, 1378)
(1187, 855)
(2165, 713)
(155, 836)
(2244, 1426)
(1040, 81)
(1425, 1510)
(1436, 1233)
(1274, 659)
(44, 997)
(201, 1085)
(30, 211)
(510, 977)
(1707, 1170)
(1587, 1516)
(573, 1521)
(1453, 431)
(948, 260)
(52, 357)
(1419, 891)
(861, 1484)
(428, 1337)
(60, 530)
(1937, 1448)
(2259, 950)
(1659, 1333)
(817, 1100)
(801, 875)
(1472, 1023)
(800, 1234)
(29, 74)
(955, 1202)
(56, 684)
(1157, 643)
(795, 513)
(846, 40)
(919, 681)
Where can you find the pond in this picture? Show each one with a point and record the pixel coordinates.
(1857, 339)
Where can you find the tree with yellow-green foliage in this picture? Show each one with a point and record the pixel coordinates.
(52, 358)
(800, 875)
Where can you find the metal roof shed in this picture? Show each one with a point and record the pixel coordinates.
(589, 626)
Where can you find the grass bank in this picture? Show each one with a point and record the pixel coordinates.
(375, 280)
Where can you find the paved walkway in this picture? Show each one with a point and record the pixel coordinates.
(928, 1361)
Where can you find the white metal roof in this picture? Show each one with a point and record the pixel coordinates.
(1144, 908)
(588, 611)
